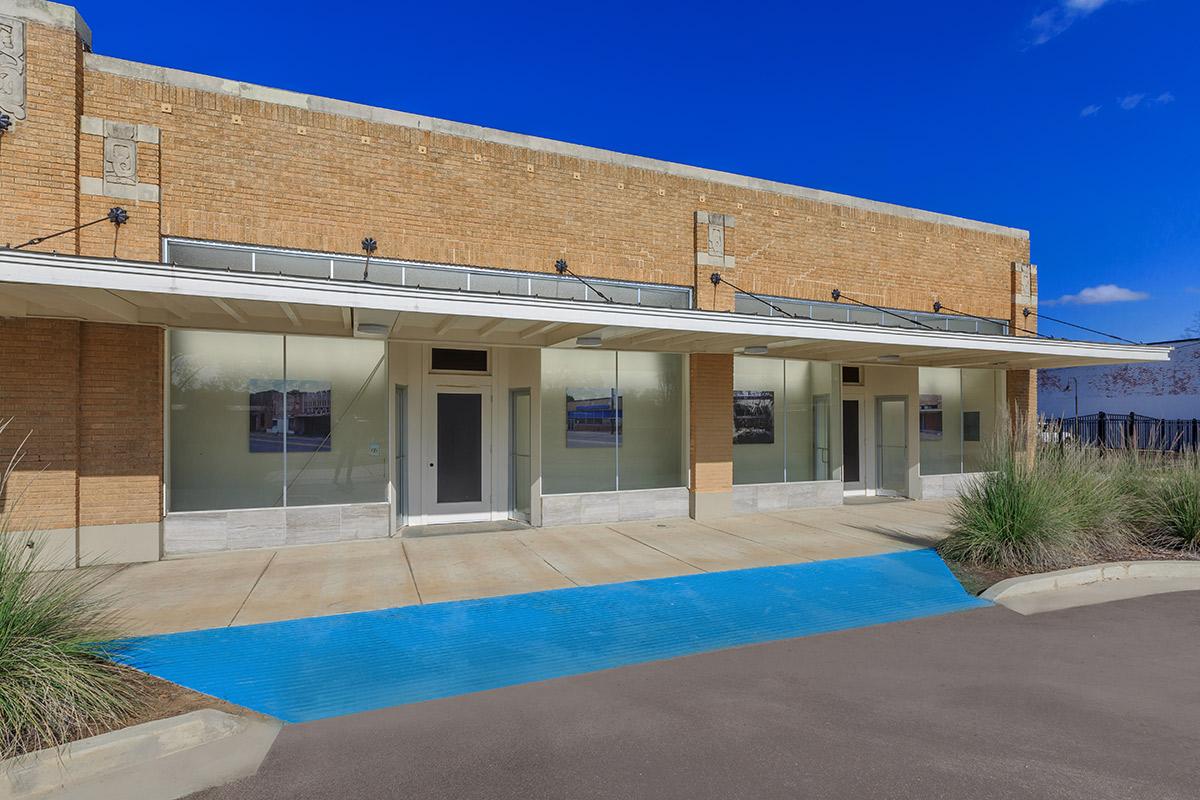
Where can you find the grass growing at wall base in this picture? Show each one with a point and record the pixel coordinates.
(1066, 505)
(56, 684)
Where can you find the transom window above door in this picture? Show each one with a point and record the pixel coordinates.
(443, 359)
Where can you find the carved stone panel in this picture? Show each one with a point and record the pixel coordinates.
(712, 240)
(12, 67)
(120, 154)
(716, 239)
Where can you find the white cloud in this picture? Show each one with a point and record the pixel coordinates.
(1131, 101)
(1089, 111)
(1164, 98)
(1062, 15)
(1099, 295)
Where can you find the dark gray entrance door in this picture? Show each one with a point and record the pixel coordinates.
(459, 447)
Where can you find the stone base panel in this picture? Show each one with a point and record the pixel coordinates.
(578, 509)
(213, 531)
(92, 545)
(757, 498)
(937, 487)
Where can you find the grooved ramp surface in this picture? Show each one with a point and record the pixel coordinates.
(307, 669)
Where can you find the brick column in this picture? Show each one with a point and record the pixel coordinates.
(711, 435)
(120, 426)
(1022, 383)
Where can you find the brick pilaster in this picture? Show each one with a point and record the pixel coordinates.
(711, 431)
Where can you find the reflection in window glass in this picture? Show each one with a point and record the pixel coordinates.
(982, 390)
(337, 443)
(786, 420)
(651, 388)
(579, 388)
(612, 421)
(940, 421)
(959, 409)
(758, 402)
(246, 432)
(218, 461)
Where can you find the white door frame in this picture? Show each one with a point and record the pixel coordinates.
(433, 511)
(877, 405)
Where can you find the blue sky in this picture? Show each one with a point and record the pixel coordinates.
(1076, 119)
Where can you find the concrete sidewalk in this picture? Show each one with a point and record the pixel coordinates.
(247, 587)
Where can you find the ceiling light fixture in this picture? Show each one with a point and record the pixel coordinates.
(588, 341)
(755, 350)
(373, 328)
(891, 358)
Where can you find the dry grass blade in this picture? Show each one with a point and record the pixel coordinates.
(55, 682)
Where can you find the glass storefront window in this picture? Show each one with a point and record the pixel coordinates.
(959, 410)
(581, 421)
(808, 413)
(215, 463)
(940, 399)
(341, 457)
(611, 421)
(264, 420)
(786, 421)
(982, 390)
(651, 389)
(759, 431)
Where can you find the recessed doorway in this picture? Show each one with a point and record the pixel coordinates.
(458, 443)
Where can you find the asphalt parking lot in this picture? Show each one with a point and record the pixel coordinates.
(1094, 702)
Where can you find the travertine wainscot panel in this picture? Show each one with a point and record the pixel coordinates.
(578, 509)
(759, 497)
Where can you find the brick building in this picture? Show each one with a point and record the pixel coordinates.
(451, 292)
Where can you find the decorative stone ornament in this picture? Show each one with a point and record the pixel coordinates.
(716, 240)
(1024, 275)
(711, 240)
(120, 154)
(12, 67)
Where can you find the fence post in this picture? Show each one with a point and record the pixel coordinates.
(1195, 434)
(1131, 432)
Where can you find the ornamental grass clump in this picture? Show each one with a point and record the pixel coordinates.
(1168, 507)
(1051, 509)
(55, 683)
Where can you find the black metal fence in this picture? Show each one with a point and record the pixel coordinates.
(1132, 431)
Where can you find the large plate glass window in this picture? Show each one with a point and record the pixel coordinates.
(958, 418)
(786, 420)
(263, 421)
(612, 421)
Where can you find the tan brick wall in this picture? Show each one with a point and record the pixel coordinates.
(242, 171)
(120, 424)
(89, 396)
(710, 417)
(39, 394)
(39, 183)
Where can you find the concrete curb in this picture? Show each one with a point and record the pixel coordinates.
(1025, 585)
(159, 760)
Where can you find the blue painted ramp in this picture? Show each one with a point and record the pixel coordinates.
(308, 669)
